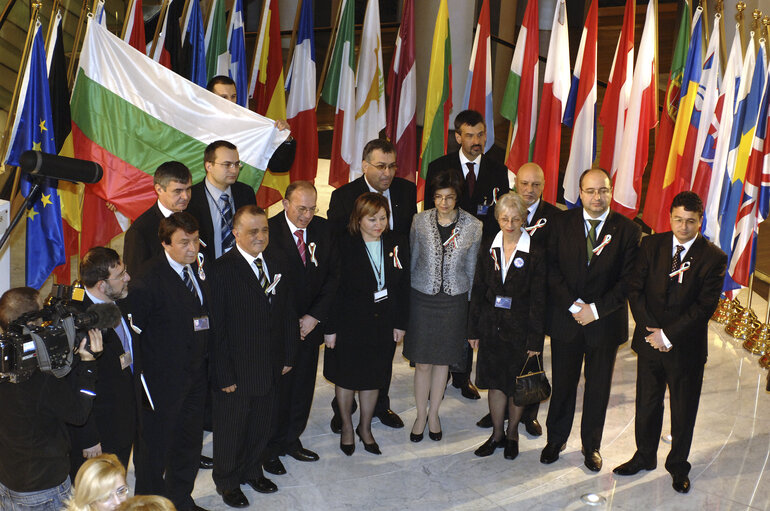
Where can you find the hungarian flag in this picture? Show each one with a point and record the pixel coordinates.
(121, 122)
(401, 125)
(641, 117)
(520, 96)
(613, 113)
(438, 102)
(300, 108)
(133, 27)
(215, 41)
(370, 86)
(478, 86)
(340, 92)
(555, 93)
(655, 213)
(193, 65)
(581, 110)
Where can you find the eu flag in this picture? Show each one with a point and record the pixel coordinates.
(33, 129)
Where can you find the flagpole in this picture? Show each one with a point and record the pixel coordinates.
(706, 32)
(159, 26)
(294, 29)
(656, 71)
(78, 33)
(740, 7)
(755, 27)
(720, 9)
(50, 22)
(766, 23)
(325, 67)
(129, 8)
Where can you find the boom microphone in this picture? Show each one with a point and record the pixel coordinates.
(98, 315)
(37, 163)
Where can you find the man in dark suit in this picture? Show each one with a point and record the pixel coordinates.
(214, 201)
(172, 181)
(591, 252)
(112, 424)
(169, 305)
(483, 180)
(254, 344)
(530, 182)
(673, 292)
(312, 263)
(379, 167)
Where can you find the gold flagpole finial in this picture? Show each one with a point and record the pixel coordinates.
(740, 7)
(757, 16)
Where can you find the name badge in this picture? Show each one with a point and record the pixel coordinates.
(380, 295)
(201, 323)
(482, 209)
(125, 360)
(502, 302)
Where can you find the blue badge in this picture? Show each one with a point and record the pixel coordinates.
(518, 262)
(503, 302)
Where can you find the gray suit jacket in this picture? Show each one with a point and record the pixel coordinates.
(452, 273)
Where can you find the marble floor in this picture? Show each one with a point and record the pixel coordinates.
(729, 456)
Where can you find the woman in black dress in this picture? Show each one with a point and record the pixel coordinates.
(507, 317)
(371, 311)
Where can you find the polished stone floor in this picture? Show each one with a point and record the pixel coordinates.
(729, 456)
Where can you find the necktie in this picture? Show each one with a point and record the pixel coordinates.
(124, 340)
(262, 277)
(676, 261)
(470, 179)
(226, 226)
(301, 245)
(591, 239)
(188, 282)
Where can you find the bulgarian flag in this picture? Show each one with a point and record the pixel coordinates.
(401, 126)
(438, 102)
(478, 87)
(520, 97)
(340, 92)
(555, 93)
(121, 122)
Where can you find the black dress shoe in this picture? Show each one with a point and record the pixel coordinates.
(390, 419)
(633, 466)
(417, 437)
(511, 449)
(469, 391)
(372, 447)
(593, 460)
(435, 436)
(274, 466)
(206, 463)
(488, 447)
(336, 424)
(533, 427)
(681, 484)
(348, 449)
(485, 422)
(551, 453)
(233, 498)
(303, 454)
(262, 485)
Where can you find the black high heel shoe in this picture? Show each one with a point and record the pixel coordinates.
(372, 448)
(348, 449)
(435, 436)
(417, 437)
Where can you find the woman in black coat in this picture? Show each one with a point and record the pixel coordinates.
(507, 317)
(370, 313)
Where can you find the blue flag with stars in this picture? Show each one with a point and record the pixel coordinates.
(34, 130)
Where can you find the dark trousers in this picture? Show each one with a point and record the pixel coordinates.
(168, 453)
(684, 387)
(295, 398)
(567, 360)
(241, 432)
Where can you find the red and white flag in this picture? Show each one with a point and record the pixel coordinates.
(133, 27)
(401, 126)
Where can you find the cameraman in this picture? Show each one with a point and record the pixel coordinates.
(34, 444)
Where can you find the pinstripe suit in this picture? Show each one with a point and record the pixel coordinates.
(254, 339)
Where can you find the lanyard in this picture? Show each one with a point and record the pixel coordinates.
(377, 271)
(216, 203)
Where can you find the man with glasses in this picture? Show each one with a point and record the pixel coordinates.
(215, 200)
(379, 167)
(312, 268)
(591, 252)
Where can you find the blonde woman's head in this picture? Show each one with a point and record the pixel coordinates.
(100, 485)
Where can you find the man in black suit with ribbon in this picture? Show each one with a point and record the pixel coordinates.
(254, 344)
(112, 423)
(591, 252)
(673, 292)
(379, 168)
(484, 179)
(312, 263)
(169, 306)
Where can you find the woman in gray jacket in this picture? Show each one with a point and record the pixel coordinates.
(444, 242)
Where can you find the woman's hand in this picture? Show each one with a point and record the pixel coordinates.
(474, 343)
(330, 340)
(398, 335)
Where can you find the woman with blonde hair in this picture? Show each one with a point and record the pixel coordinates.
(100, 485)
(147, 503)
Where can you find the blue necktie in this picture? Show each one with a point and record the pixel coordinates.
(188, 282)
(226, 227)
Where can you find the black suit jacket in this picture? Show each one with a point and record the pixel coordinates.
(198, 207)
(141, 242)
(603, 282)
(491, 175)
(549, 212)
(403, 198)
(112, 420)
(681, 310)
(255, 337)
(170, 349)
(314, 284)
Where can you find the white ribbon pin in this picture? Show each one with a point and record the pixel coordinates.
(271, 288)
(533, 228)
(680, 272)
(604, 243)
(494, 258)
(394, 255)
(201, 274)
(452, 239)
(311, 248)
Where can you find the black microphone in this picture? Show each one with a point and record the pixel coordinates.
(98, 315)
(37, 163)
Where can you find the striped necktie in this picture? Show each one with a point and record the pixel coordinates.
(226, 225)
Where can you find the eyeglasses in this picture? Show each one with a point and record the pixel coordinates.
(121, 275)
(229, 164)
(119, 493)
(383, 166)
(444, 198)
(594, 191)
(302, 210)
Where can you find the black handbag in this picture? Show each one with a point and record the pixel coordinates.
(532, 387)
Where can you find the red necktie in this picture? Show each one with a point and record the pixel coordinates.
(301, 245)
(470, 179)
